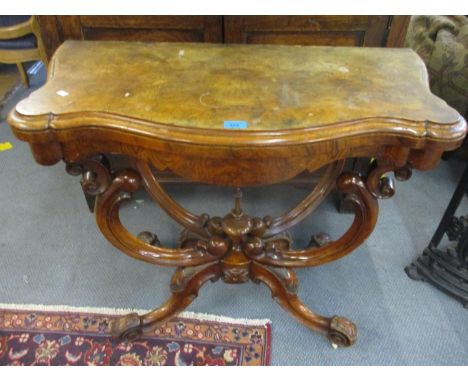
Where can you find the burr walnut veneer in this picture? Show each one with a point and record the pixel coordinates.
(236, 115)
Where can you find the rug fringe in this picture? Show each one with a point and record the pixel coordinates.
(117, 311)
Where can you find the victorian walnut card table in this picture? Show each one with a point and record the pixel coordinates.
(237, 116)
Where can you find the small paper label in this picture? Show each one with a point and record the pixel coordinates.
(235, 124)
(5, 146)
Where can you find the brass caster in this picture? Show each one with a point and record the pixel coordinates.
(342, 332)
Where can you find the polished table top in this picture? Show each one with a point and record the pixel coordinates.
(208, 105)
(270, 88)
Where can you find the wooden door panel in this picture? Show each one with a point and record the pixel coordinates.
(307, 30)
(57, 29)
(303, 30)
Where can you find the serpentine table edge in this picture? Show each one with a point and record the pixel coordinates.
(69, 121)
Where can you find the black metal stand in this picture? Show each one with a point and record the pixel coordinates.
(447, 269)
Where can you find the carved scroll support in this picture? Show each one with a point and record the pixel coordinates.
(235, 248)
(396, 159)
(400, 160)
(185, 218)
(382, 186)
(310, 203)
(95, 176)
(107, 217)
(366, 212)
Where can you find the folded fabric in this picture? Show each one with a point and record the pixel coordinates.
(442, 42)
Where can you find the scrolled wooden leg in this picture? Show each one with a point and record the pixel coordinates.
(284, 287)
(108, 204)
(185, 285)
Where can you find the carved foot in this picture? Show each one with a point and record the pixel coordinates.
(342, 332)
(127, 327)
(184, 285)
(284, 285)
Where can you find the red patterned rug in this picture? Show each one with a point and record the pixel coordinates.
(36, 335)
